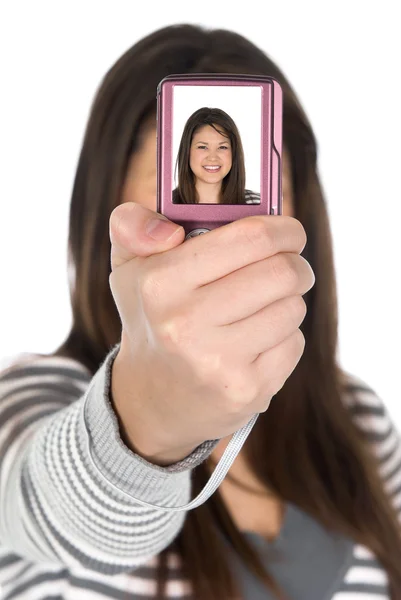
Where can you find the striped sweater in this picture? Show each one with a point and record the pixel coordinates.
(66, 533)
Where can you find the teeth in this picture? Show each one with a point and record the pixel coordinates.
(213, 168)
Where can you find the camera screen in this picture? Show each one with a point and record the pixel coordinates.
(216, 144)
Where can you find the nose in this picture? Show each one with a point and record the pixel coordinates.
(212, 155)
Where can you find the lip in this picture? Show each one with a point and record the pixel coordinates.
(212, 168)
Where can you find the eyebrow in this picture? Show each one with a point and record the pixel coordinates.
(200, 142)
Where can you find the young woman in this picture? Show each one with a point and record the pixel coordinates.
(173, 347)
(211, 165)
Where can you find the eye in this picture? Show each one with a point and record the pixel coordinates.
(224, 148)
(201, 147)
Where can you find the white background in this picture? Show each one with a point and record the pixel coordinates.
(343, 59)
(242, 104)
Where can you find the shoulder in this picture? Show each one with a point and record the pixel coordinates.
(252, 197)
(367, 409)
(374, 421)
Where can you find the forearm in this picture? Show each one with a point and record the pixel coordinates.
(60, 503)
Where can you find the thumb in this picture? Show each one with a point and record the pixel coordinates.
(139, 231)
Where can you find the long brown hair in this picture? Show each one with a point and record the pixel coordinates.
(313, 454)
(233, 184)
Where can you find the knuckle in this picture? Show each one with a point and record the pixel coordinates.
(299, 341)
(288, 312)
(298, 308)
(301, 232)
(258, 233)
(269, 382)
(175, 333)
(272, 387)
(239, 390)
(286, 359)
(285, 270)
(309, 279)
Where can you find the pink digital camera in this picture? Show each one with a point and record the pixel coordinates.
(219, 149)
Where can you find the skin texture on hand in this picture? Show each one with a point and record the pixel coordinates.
(206, 345)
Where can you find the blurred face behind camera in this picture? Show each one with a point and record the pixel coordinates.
(140, 182)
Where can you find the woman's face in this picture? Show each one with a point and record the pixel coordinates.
(140, 181)
(210, 155)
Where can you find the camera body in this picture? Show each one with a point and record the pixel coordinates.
(219, 149)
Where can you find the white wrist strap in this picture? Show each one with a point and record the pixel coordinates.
(229, 455)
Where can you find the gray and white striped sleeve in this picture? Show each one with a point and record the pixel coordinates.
(54, 505)
(373, 419)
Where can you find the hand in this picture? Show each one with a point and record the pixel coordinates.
(210, 328)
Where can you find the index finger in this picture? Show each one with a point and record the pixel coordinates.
(206, 258)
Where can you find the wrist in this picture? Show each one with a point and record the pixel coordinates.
(136, 431)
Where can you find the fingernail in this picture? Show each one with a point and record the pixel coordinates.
(161, 230)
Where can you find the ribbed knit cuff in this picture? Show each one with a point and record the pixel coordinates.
(129, 471)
